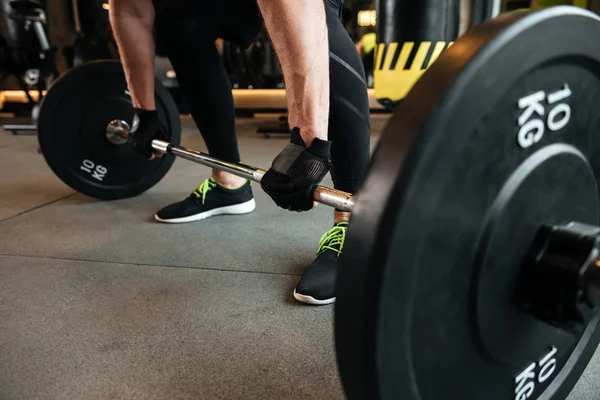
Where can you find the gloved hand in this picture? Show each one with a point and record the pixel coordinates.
(296, 171)
(145, 128)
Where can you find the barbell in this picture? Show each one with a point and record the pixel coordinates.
(471, 267)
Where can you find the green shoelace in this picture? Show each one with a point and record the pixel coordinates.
(333, 239)
(204, 188)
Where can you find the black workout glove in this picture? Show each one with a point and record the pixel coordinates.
(145, 128)
(296, 171)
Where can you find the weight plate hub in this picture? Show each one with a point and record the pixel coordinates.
(498, 138)
(72, 132)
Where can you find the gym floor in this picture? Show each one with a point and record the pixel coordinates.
(98, 301)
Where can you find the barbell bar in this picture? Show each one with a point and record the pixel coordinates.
(117, 133)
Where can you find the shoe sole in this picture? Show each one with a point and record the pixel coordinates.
(242, 208)
(311, 300)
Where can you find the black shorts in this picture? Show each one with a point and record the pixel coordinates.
(238, 21)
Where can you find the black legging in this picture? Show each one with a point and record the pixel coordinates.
(207, 90)
(349, 120)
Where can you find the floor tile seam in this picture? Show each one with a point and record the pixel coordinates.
(39, 206)
(143, 264)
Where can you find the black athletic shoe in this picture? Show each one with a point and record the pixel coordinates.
(317, 285)
(207, 200)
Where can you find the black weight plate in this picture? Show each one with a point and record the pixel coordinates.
(462, 178)
(72, 125)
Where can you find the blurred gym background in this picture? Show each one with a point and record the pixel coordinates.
(40, 39)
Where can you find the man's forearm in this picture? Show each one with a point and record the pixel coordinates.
(299, 34)
(132, 22)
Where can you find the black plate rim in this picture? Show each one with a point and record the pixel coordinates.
(65, 174)
(358, 280)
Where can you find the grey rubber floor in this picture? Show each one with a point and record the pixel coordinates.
(97, 301)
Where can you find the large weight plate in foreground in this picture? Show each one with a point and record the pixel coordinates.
(427, 306)
(72, 132)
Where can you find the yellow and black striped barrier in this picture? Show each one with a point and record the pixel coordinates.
(411, 35)
(398, 66)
